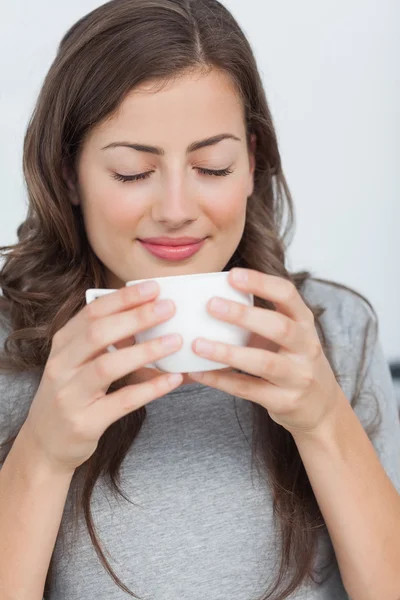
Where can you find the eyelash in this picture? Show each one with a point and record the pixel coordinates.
(125, 178)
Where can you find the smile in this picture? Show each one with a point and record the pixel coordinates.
(173, 253)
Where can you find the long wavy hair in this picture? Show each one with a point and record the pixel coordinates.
(99, 61)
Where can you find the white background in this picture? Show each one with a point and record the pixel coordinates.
(332, 76)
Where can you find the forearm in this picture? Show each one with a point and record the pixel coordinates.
(32, 499)
(360, 505)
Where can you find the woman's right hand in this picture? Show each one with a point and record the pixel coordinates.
(71, 409)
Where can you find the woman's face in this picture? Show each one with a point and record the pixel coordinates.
(176, 198)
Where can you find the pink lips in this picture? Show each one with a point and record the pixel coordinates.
(173, 253)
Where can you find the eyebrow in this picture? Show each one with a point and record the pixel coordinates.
(211, 141)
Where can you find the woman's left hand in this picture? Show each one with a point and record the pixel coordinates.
(294, 382)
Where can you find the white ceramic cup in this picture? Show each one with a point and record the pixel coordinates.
(191, 294)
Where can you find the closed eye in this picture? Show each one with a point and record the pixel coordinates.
(125, 178)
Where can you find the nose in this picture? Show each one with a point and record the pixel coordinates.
(176, 204)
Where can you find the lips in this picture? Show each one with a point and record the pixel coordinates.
(170, 241)
(171, 251)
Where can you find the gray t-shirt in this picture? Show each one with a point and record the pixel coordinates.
(200, 526)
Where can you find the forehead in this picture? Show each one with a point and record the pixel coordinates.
(190, 107)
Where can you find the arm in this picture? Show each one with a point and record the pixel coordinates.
(297, 386)
(358, 500)
(32, 499)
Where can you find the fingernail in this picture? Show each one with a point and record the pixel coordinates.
(240, 275)
(147, 288)
(163, 307)
(196, 375)
(204, 347)
(175, 378)
(171, 341)
(219, 305)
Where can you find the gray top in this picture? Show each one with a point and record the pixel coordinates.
(201, 524)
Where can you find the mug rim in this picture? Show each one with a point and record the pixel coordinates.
(187, 275)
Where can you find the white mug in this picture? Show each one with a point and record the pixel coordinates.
(191, 294)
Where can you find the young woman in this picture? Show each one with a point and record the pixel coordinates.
(277, 477)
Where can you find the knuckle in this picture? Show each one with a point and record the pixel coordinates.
(102, 367)
(242, 388)
(292, 403)
(145, 314)
(133, 320)
(268, 365)
(305, 378)
(224, 353)
(74, 422)
(77, 427)
(92, 311)
(58, 339)
(151, 350)
(310, 316)
(285, 328)
(289, 291)
(315, 350)
(264, 284)
(129, 294)
(94, 335)
(240, 311)
(127, 400)
(61, 398)
(308, 329)
(158, 386)
(52, 370)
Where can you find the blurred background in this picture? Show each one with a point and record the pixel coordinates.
(332, 78)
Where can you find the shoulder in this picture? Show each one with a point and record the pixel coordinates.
(350, 331)
(356, 352)
(17, 389)
(345, 309)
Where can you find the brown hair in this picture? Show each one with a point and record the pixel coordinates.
(46, 273)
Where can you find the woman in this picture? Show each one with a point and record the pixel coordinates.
(153, 122)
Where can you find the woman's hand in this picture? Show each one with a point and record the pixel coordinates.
(71, 409)
(294, 382)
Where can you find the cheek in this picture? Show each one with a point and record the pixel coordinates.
(111, 207)
(120, 213)
(229, 208)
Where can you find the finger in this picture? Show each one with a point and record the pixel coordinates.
(236, 384)
(276, 400)
(112, 407)
(274, 326)
(94, 378)
(111, 303)
(281, 292)
(100, 333)
(270, 366)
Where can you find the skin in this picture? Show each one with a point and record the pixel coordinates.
(177, 199)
